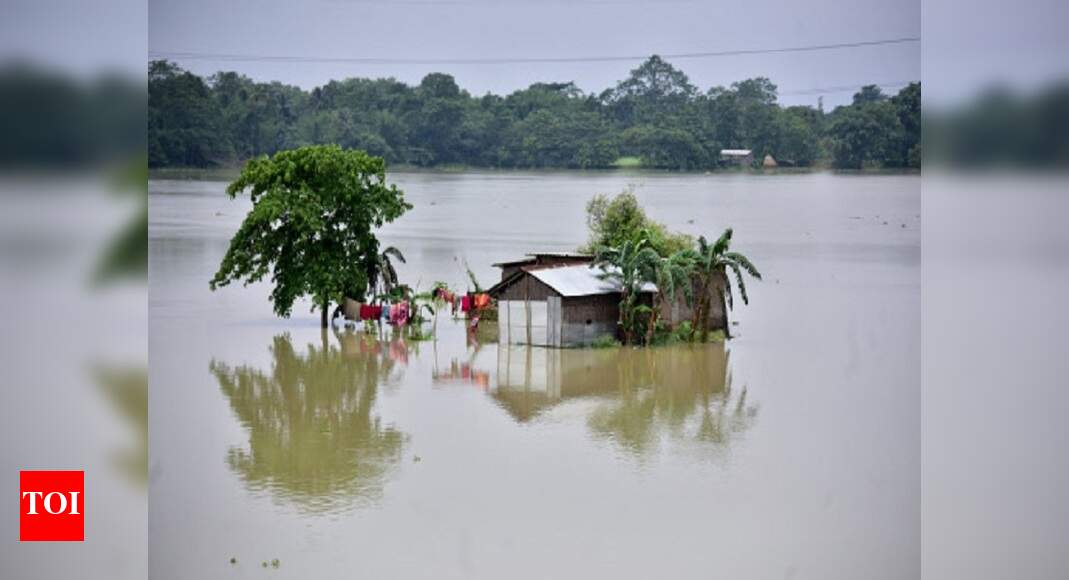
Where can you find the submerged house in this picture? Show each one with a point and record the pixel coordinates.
(558, 299)
(557, 303)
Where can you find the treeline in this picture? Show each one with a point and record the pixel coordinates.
(655, 115)
(50, 119)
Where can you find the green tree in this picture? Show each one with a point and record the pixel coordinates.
(907, 104)
(672, 274)
(311, 224)
(629, 266)
(184, 121)
(383, 271)
(652, 92)
(864, 134)
(666, 148)
(711, 265)
(614, 221)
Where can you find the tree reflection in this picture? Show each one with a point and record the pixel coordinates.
(314, 438)
(641, 397)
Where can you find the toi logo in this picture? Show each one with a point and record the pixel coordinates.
(51, 506)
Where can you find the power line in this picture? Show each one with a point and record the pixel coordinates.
(231, 57)
(843, 89)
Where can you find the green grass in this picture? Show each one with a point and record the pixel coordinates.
(605, 341)
(630, 162)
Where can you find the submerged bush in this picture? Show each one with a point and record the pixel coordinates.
(605, 341)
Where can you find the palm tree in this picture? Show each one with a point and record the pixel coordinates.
(382, 270)
(671, 273)
(629, 266)
(711, 265)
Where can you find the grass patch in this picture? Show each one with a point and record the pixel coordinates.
(605, 341)
(628, 162)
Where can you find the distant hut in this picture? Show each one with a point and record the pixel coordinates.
(769, 162)
(736, 157)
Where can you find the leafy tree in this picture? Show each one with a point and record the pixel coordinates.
(672, 274)
(184, 120)
(383, 270)
(630, 266)
(864, 135)
(869, 94)
(614, 221)
(666, 148)
(652, 91)
(573, 139)
(907, 105)
(311, 224)
(711, 265)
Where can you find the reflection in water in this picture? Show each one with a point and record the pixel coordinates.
(313, 438)
(126, 387)
(642, 396)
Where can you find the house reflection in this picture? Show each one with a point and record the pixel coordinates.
(314, 437)
(638, 397)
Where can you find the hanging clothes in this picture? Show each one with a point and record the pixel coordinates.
(465, 303)
(385, 313)
(399, 314)
(375, 313)
(482, 300)
(365, 312)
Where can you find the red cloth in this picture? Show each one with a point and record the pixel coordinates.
(375, 313)
(365, 312)
(465, 303)
(482, 301)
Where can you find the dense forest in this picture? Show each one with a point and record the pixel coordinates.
(655, 116)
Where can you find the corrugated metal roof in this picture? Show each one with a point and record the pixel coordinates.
(580, 280)
(735, 151)
(529, 260)
(561, 254)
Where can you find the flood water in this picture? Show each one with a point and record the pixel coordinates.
(793, 451)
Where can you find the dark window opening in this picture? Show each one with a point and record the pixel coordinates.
(589, 321)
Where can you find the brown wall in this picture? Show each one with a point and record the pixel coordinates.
(527, 288)
(676, 313)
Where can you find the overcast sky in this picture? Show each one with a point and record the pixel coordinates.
(479, 29)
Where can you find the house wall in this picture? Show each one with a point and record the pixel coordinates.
(586, 318)
(678, 311)
(526, 288)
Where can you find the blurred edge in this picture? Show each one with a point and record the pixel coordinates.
(73, 275)
(994, 277)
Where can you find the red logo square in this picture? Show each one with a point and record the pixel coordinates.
(51, 506)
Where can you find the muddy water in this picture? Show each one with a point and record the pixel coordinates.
(792, 451)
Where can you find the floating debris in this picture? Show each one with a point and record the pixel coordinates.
(233, 560)
(416, 459)
(275, 563)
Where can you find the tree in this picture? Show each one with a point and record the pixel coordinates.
(671, 274)
(629, 266)
(652, 91)
(907, 105)
(384, 271)
(711, 264)
(666, 148)
(310, 227)
(184, 120)
(613, 221)
(864, 134)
